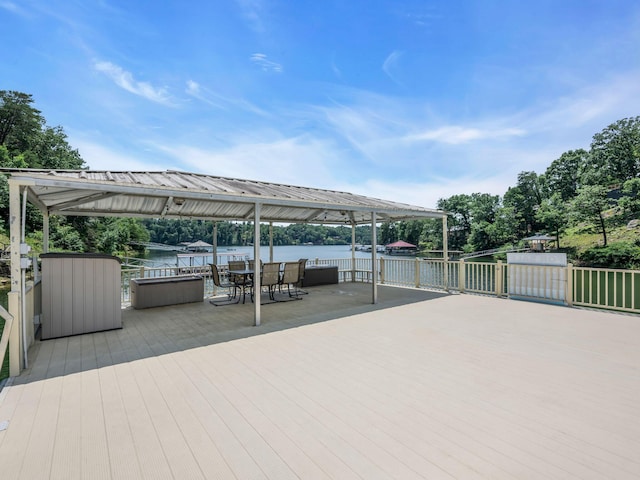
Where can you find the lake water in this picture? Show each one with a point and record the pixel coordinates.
(280, 254)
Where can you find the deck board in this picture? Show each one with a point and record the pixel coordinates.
(422, 385)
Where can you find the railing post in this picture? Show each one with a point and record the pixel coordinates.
(14, 335)
(381, 270)
(569, 290)
(416, 273)
(142, 271)
(5, 334)
(461, 275)
(499, 280)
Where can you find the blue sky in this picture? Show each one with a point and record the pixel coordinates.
(405, 100)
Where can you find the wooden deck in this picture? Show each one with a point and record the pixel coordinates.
(422, 385)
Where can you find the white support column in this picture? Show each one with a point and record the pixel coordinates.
(569, 290)
(45, 232)
(353, 251)
(445, 253)
(374, 258)
(256, 265)
(15, 296)
(214, 251)
(271, 241)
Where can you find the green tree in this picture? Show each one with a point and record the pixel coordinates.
(484, 209)
(115, 235)
(615, 152)
(459, 219)
(64, 236)
(25, 142)
(388, 233)
(564, 174)
(505, 227)
(589, 205)
(52, 150)
(431, 236)
(409, 231)
(630, 200)
(553, 215)
(20, 122)
(524, 199)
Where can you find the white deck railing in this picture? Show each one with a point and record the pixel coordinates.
(590, 287)
(5, 334)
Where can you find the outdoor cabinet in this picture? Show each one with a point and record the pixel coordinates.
(81, 293)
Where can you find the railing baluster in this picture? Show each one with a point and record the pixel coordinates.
(584, 286)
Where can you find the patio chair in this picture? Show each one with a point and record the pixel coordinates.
(242, 282)
(290, 276)
(236, 265)
(303, 265)
(270, 278)
(231, 287)
(252, 265)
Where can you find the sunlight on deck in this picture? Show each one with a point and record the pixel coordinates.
(421, 385)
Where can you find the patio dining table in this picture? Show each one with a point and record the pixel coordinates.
(246, 274)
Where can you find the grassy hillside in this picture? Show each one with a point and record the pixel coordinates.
(582, 239)
(623, 239)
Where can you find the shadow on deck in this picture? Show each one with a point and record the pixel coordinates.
(164, 330)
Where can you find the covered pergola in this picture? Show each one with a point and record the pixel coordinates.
(181, 195)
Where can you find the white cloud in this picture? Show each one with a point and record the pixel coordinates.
(101, 157)
(261, 60)
(13, 8)
(193, 88)
(592, 107)
(455, 135)
(390, 65)
(385, 147)
(125, 80)
(426, 194)
(334, 68)
(296, 161)
(253, 11)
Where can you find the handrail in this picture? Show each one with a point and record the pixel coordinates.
(483, 253)
(6, 332)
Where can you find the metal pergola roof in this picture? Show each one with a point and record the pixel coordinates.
(180, 195)
(173, 194)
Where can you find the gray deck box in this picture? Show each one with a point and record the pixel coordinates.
(80, 294)
(161, 291)
(320, 275)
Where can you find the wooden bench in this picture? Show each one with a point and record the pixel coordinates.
(360, 275)
(162, 291)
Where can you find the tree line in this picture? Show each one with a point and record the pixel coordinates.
(594, 188)
(175, 232)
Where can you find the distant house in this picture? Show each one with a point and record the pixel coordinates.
(538, 243)
(400, 248)
(199, 246)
